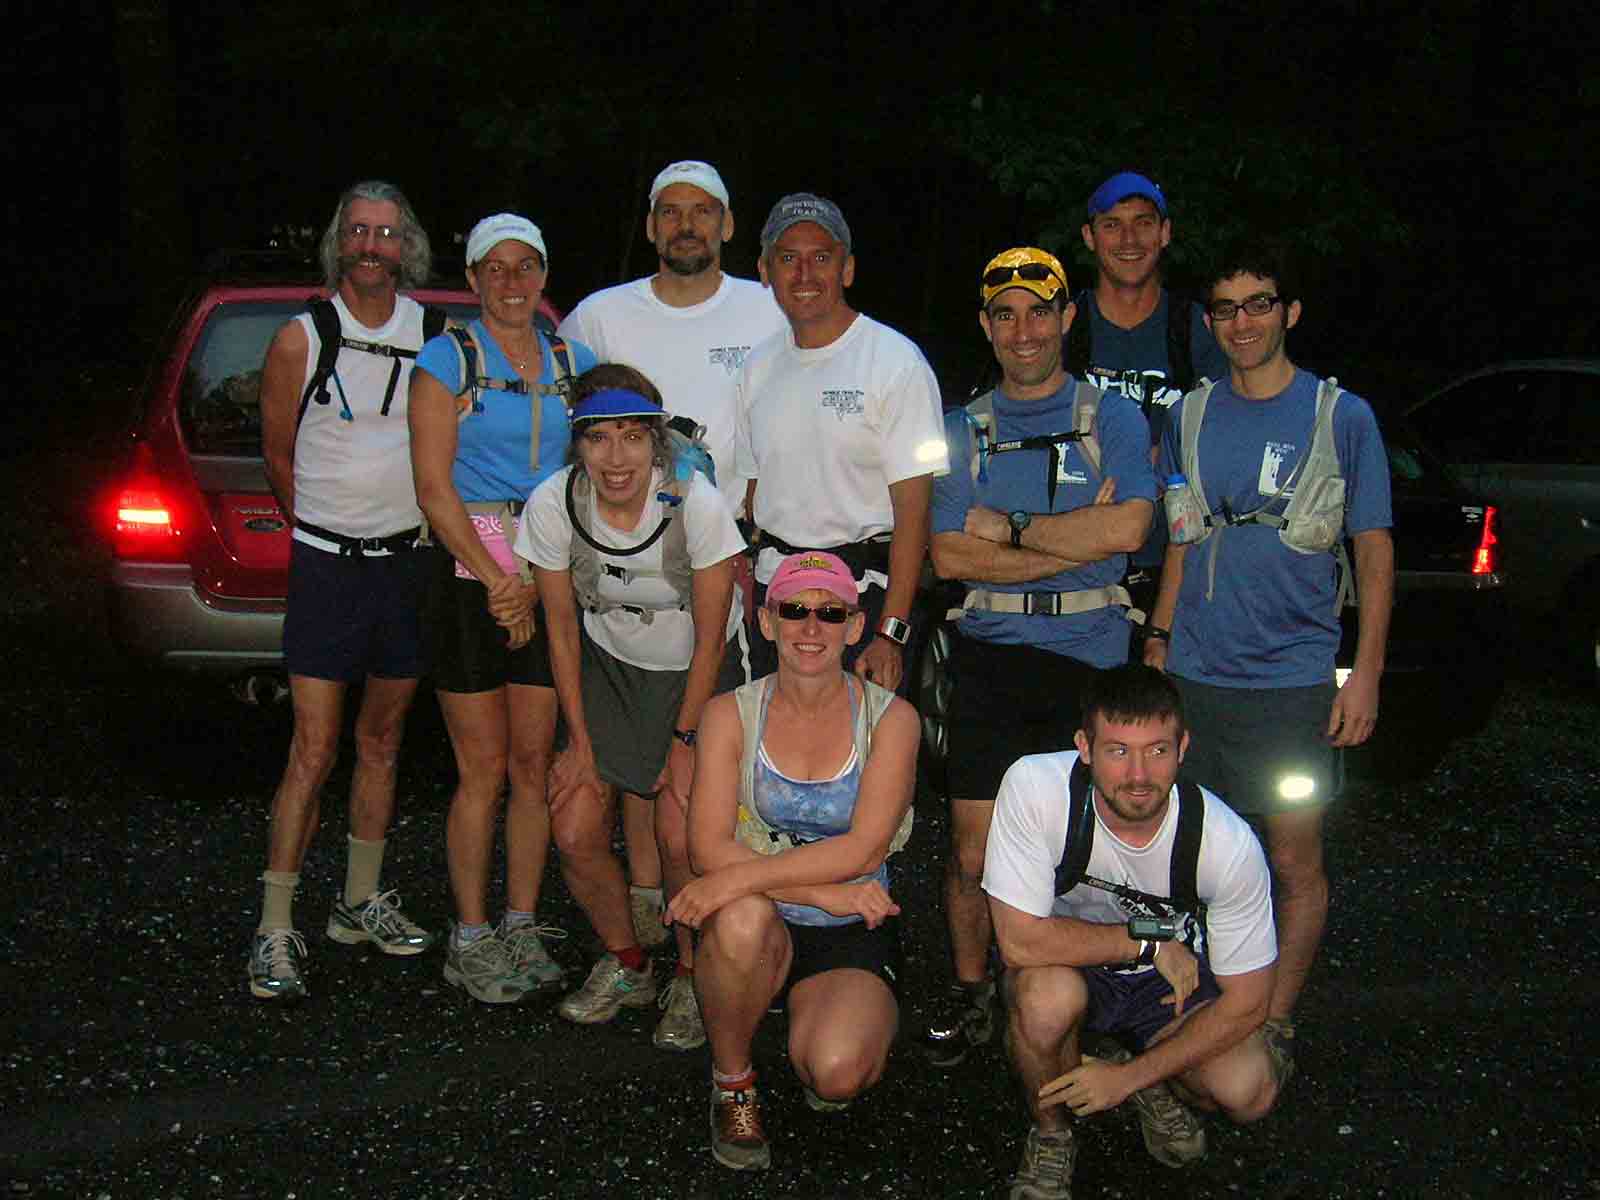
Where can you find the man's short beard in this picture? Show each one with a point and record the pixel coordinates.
(687, 266)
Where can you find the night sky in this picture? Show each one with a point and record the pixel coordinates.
(1436, 166)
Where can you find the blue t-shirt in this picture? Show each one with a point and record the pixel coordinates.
(1018, 479)
(1134, 362)
(1271, 621)
(493, 459)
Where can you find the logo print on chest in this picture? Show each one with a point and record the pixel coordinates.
(844, 402)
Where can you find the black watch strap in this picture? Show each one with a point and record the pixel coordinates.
(687, 736)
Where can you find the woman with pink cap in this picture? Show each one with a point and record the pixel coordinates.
(802, 790)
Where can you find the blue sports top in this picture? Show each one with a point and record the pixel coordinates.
(810, 810)
(494, 460)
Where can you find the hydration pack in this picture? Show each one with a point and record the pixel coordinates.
(1312, 522)
(1078, 353)
(325, 320)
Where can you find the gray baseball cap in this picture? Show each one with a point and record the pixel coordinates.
(800, 207)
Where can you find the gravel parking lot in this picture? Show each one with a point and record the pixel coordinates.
(1445, 1039)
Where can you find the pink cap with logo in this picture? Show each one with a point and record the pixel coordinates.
(813, 569)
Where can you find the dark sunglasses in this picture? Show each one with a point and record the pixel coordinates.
(828, 614)
(1032, 272)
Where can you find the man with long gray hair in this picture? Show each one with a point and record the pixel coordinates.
(337, 448)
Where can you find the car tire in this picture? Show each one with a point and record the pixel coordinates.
(933, 693)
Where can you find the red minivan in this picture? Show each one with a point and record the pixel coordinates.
(200, 547)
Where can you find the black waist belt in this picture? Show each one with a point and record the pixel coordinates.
(354, 547)
(860, 557)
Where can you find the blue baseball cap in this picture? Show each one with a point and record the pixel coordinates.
(612, 404)
(1121, 186)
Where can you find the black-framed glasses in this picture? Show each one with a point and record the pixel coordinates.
(1032, 272)
(357, 230)
(828, 614)
(1258, 305)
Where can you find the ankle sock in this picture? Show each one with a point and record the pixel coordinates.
(515, 918)
(465, 935)
(684, 971)
(632, 957)
(735, 1082)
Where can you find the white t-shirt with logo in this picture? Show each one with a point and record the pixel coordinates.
(1029, 832)
(826, 431)
(692, 355)
(666, 643)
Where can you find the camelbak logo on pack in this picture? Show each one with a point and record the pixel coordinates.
(846, 402)
(729, 358)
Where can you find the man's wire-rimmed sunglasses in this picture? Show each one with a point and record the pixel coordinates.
(1258, 305)
(828, 614)
(1032, 272)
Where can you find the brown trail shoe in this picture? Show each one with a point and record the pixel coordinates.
(737, 1140)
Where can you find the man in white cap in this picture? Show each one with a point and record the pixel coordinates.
(688, 327)
(841, 427)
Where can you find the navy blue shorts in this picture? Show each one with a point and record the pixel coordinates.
(349, 617)
(466, 647)
(1130, 1005)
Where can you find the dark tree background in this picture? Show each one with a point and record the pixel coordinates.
(1434, 162)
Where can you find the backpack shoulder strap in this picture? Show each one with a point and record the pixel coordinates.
(325, 320)
(1086, 422)
(979, 418)
(1078, 350)
(1180, 341)
(1185, 865)
(1080, 830)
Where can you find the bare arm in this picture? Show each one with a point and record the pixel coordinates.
(882, 661)
(282, 377)
(433, 453)
(1355, 708)
(1029, 941)
(711, 595)
(576, 762)
(1093, 533)
(961, 555)
(1166, 606)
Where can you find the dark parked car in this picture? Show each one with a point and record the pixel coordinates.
(1444, 668)
(1526, 437)
(201, 550)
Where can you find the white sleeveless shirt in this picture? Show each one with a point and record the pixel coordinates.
(354, 476)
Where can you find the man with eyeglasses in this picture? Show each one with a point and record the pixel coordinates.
(840, 430)
(337, 451)
(1133, 335)
(688, 327)
(1050, 488)
(1287, 468)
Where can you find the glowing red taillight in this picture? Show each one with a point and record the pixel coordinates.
(146, 521)
(1485, 561)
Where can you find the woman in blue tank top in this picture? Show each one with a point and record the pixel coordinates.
(803, 783)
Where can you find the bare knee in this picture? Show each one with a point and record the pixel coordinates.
(580, 828)
(966, 859)
(313, 750)
(1045, 1003)
(744, 931)
(838, 1069)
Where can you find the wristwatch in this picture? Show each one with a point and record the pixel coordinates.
(687, 736)
(1019, 521)
(1152, 929)
(896, 630)
(1154, 633)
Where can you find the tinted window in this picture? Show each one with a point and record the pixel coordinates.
(221, 402)
(1508, 417)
